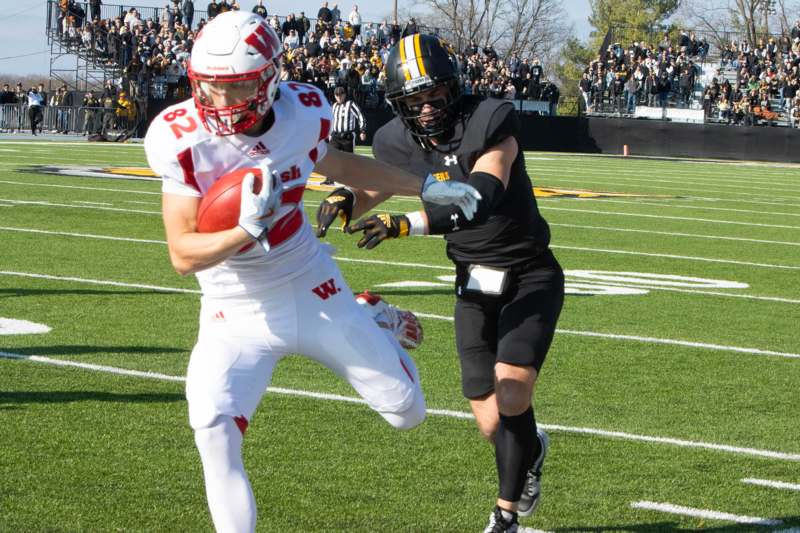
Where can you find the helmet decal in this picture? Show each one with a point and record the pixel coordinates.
(263, 41)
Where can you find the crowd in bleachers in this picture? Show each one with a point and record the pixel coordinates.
(642, 74)
(328, 51)
(746, 85)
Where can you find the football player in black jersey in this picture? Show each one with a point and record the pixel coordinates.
(509, 286)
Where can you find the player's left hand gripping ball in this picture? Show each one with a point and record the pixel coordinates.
(378, 228)
(449, 192)
(339, 204)
(257, 209)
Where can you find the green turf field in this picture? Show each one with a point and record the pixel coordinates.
(671, 393)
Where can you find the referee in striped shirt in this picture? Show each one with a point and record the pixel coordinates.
(347, 121)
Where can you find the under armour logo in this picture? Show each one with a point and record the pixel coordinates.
(454, 218)
(450, 160)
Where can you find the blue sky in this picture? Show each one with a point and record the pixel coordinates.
(23, 31)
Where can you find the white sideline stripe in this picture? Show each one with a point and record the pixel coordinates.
(667, 217)
(613, 336)
(673, 256)
(704, 513)
(755, 452)
(675, 234)
(91, 203)
(78, 187)
(772, 484)
(73, 206)
(410, 265)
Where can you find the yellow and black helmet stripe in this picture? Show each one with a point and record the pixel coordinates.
(411, 57)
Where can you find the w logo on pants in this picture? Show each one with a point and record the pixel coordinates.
(326, 290)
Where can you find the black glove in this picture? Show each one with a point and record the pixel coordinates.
(378, 228)
(339, 204)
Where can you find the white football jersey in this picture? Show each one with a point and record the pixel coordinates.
(190, 159)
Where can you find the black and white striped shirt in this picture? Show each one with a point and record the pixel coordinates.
(347, 117)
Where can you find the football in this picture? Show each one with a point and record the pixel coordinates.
(219, 208)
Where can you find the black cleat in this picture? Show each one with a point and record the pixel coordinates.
(532, 491)
(499, 524)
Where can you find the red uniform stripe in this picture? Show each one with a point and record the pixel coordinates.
(187, 164)
(294, 195)
(324, 128)
(313, 154)
(285, 227)
(406, 369)
(241, 423)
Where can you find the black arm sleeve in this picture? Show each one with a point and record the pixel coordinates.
(448, 218)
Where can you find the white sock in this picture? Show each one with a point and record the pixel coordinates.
(230, 498)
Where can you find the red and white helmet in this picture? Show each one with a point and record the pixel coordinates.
(235, 70)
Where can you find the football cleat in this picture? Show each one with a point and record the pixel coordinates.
(404, 325)
(498, 524)
(532, 491)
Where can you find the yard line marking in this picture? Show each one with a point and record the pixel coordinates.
(51, 204)
(674, 256)
(711, 179)
(704, 513)
(651, 340)
(612, 336)
(737, 450)
(73, 143)
(78, 187)
(709, 208)
(551, 174)
(782, 199)
(772, 484)
(409, 265)
(98, 282)
(91, 203)
(667, 217)
(81, 235)
(378, 262)
(675, 234)
(714, 293)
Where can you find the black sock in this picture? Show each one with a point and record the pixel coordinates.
(516, 448)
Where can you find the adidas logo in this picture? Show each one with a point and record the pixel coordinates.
(258, 149)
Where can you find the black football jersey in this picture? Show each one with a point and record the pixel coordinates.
(515, 232)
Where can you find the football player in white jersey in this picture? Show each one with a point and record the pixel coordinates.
(269, 288)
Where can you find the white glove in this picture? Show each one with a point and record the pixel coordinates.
(448, 192)
(257, 211)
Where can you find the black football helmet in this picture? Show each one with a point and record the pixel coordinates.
(418, 63)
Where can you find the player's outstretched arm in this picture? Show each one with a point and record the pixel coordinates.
(190, 251)
(490, 175)
(345, 204)
(366, 173)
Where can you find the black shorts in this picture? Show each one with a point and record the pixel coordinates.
(516, 327)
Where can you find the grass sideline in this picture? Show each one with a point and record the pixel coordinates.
(88, 450)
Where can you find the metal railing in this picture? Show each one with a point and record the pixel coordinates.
(16, 118)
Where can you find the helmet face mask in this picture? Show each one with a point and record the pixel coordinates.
(430, 113)
(235, 71)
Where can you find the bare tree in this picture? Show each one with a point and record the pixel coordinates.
(527, 27)
(751, 19)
